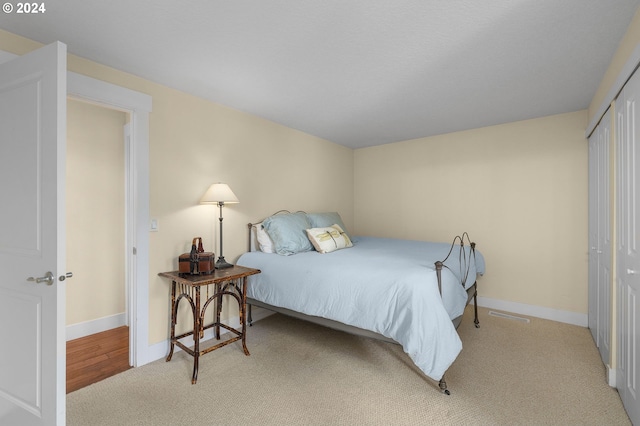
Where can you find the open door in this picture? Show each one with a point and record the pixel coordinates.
(33, 96)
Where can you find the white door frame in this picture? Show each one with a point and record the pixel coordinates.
(138, 105)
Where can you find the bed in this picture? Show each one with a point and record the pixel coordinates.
(408, 292)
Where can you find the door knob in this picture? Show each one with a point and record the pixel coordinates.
(631, 272)
(47, 279)
(65, 276)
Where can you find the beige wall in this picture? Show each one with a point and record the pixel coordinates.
(95, 212)
(194, 143)
(519, 189)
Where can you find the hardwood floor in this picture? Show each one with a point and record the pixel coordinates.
(96, 357)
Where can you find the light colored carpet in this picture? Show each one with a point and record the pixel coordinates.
(509, 373)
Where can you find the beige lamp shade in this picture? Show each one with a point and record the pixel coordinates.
(219, 193)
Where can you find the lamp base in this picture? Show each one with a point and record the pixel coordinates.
(223, 264)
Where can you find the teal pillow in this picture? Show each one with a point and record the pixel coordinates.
(288, 232)
(323, 220)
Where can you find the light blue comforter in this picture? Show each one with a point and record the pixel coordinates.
(384, 285)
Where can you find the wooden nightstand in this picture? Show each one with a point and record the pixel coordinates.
(230, 281)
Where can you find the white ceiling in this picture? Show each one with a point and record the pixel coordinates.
(355, 72)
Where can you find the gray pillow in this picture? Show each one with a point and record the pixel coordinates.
(288, 232)
(323, 220)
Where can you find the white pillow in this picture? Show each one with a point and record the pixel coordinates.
(331, 238)
(265, 244)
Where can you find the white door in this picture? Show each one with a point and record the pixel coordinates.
(600, 238)
(33, 100)
(628, 259)
(604, 240)
(593, 234)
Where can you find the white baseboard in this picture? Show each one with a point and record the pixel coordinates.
(574, 318)
(611, 376)
(161, 349)
(81, 329)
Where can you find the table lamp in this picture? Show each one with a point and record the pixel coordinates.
(220, 194)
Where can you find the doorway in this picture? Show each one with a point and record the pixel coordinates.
(96, 235)
(138, 106)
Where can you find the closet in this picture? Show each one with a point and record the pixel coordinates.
(614, 245)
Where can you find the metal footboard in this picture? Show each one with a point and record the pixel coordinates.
(464, 264)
